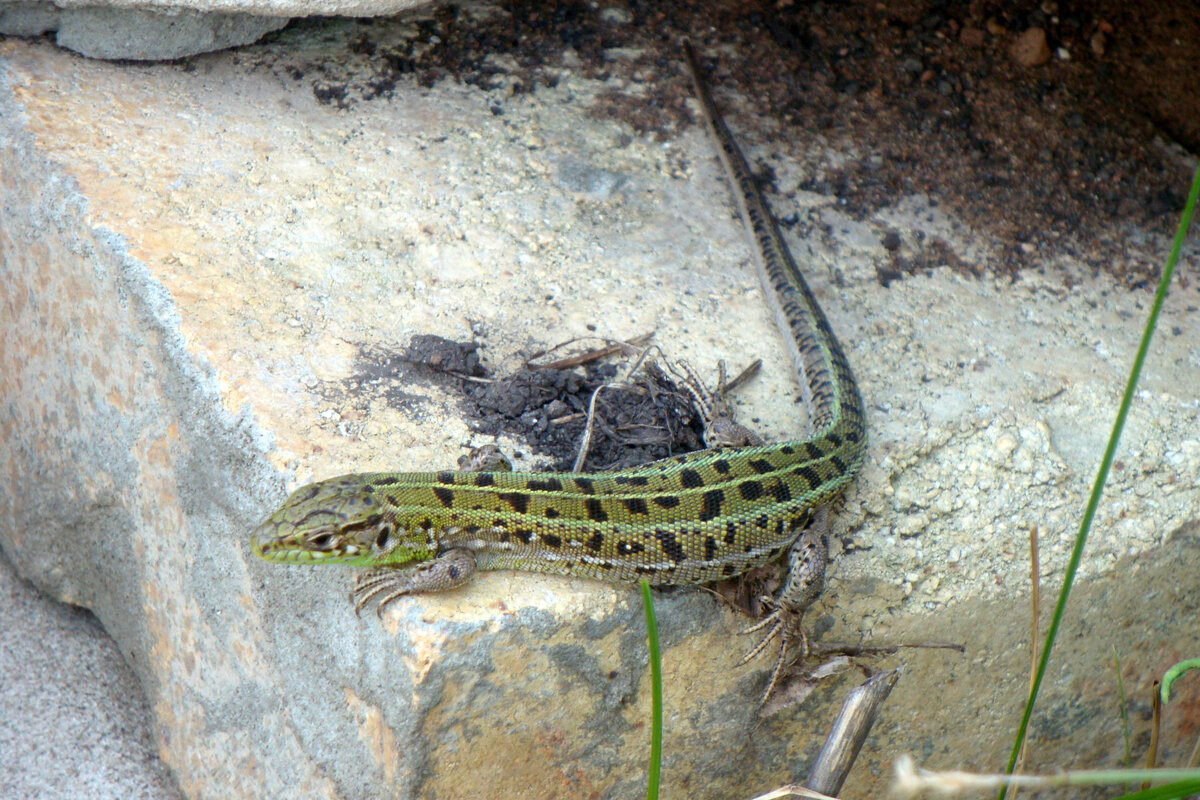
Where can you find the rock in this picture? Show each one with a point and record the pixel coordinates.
(193, 259)
(137, 34)
(1030, 49)
(972, 37)
(148, 427)
(157, 30)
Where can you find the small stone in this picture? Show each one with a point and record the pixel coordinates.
(1030, 49)
(615, 16)
(1005, 445)
(972, 37)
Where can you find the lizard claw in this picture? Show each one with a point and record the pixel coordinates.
(780, 624)
(447, 570)
(369, 584)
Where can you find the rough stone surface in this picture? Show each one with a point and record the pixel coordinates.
(28, 19)
(185, 296)
(265, 8)
(76, 722)
(137, 34)
(154, 30)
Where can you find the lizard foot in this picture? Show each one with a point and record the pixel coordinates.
(784, 625)
(448, 570)
(714, 408)
(374, 582)
(485, 458)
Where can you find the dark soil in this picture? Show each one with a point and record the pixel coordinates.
(1067, 157)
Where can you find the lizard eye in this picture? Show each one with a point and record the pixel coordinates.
(322, 541)
(384, 536)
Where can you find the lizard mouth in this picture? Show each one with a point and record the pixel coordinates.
(269, 547)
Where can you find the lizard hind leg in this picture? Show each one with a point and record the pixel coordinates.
(804, 583)
(485, 458)
(785, 626)
(715, 409)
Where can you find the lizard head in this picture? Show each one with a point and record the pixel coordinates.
(337, 521)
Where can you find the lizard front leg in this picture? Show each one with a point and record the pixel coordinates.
(721, 430)
(448, 570)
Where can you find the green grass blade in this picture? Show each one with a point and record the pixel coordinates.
(1089, 513)
(1174, 672)
(652, 771)
(1168, 791)
(1124, 706)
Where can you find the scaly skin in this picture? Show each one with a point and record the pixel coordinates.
(689, 519)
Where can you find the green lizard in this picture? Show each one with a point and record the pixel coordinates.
(688, 519)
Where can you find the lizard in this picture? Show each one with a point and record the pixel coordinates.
(687, 519)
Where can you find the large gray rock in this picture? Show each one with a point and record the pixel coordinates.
(157, 30)
(193, 262)
(136, 33)
(138, 460)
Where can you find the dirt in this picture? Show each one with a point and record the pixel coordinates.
(1067, 157)
(647, 417)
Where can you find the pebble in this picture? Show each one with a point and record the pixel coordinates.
(1030, 49)
(972, 37)
(1005, 445)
